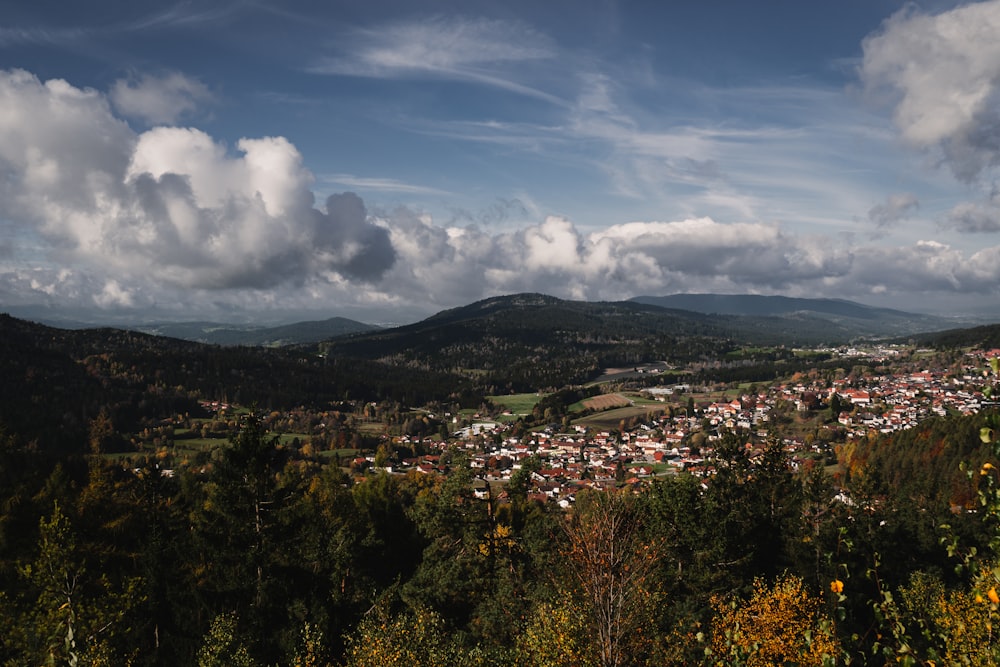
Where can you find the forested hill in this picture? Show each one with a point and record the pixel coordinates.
(524, 342)
(848, 318)
(57, 380)
(287, 334)
(530, 341)
(985, 337)
(505, 338)
(926, 463)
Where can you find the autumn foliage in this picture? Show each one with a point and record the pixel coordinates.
(781, 623)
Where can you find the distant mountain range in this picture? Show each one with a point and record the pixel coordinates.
(753, 318)
(529, 341)
(229, 334)
(516, 343)
(838, 317)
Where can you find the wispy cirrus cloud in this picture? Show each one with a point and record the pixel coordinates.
(379, 184)
(54, 35)
(476, 50)
(49, 32)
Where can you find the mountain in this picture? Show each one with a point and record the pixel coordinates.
(230, 334)
(799, 315)
(524, 342)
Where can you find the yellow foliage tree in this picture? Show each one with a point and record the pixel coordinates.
(556, 636)
(955, 627)
(411, 638)
(779, 624)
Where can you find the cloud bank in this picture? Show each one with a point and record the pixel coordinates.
(96, 214)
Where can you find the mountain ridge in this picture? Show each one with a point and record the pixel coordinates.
(856, 319)
(296, 333)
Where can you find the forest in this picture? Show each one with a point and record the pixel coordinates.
(262, 556)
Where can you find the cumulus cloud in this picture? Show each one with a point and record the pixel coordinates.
(926, 266)
(942, 73)
(896, 208)
(460, 264)
(171, 204)
(159, 100)
(975, 217)
(444, 266)
(171, 217)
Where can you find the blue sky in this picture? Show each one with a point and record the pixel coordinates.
(386, 160)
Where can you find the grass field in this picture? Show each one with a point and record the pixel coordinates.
(519, 404)
(611, 418)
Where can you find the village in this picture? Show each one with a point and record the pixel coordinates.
(681, 438)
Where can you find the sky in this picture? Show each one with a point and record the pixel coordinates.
(276, 160)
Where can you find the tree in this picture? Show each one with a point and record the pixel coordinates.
(556, 636)
(452, 576)
(779, 625)
(410, 638)
(240, 541)
(612, 568)
(222, 646)
(72, 615)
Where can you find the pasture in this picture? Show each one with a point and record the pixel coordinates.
(518, 404)
(611, 419)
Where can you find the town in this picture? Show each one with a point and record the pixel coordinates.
(676, 432)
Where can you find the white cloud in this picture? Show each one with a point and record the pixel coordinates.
(115, 296)
(159, 100)
(380, 184)
(475, 50)
(942, 73)
(451, 43)
(175, 218)
(171, 203)
(457, 265)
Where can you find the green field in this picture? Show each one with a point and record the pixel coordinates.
(519, 404)
(610, 419)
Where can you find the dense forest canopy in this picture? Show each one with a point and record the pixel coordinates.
(165, 502)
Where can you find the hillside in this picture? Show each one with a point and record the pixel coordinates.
(57, 380)
(987, 337)
(229, 334)
(805, 317)
(524, 342)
